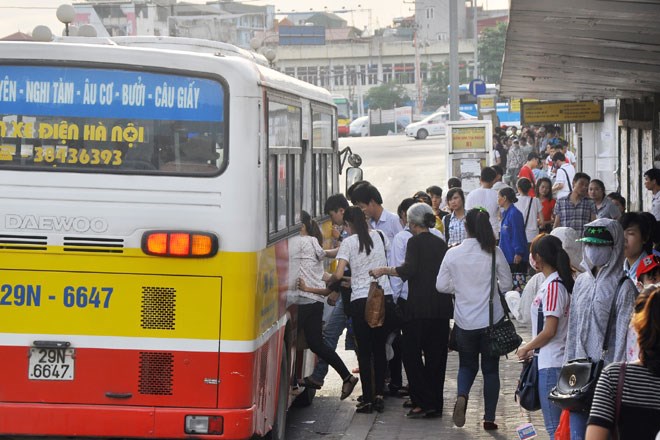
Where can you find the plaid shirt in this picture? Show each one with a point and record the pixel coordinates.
(575, 216)
(456, 230)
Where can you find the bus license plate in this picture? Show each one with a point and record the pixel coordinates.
(51, 363)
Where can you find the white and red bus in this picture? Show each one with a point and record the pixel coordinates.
(148, 191)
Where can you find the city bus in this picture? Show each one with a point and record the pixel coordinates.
(344, 118)
(149, 197)
(468, 104)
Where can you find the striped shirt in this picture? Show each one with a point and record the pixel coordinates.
(553, 297)
(639, 417)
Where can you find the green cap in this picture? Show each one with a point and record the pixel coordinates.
(598, 235)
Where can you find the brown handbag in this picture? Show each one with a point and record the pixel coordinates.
(374, 311)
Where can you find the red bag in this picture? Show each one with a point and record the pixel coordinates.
(563, 431)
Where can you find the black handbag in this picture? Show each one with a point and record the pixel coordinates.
(527, 392)
(501, 338)
(578, 377)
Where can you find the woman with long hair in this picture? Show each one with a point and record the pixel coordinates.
(364, 250)
(311, 294)
(544, 194)
(549, 313)
(471, 289)
(426, 314)
(639, 400)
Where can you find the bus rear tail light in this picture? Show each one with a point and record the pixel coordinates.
(204, 425)
(179, 244)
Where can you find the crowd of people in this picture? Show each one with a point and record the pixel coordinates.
(562, 252)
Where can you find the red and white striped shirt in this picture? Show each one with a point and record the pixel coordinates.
(555, 300)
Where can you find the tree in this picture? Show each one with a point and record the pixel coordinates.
(437, 93)
(387, 96)
(491, 52)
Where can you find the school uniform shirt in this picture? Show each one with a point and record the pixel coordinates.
(655, 207)
(631, 270)
(565, 174)
(535, 209)
(485, 198)
(471, 287)
(361, 264)
(554, 298)
(388, 224)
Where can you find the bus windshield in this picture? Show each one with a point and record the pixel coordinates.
(343, 112)
(110, 120)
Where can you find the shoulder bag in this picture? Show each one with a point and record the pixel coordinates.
(501, 338)
(578, 377)
(527, 393)
(374, 311)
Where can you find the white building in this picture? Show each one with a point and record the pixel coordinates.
(432, 19)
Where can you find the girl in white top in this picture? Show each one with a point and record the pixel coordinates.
(529, 204)
(364, 250)
(466, 272)
(311, 293)
(552, 301)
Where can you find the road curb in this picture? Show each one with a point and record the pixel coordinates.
(360, 426)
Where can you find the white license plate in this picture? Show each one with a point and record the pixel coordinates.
(51, 363)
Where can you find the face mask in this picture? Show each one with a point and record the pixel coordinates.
(532, 262)
(597, 256)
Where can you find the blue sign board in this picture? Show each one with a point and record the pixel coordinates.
(477, 87)
(108, 93)
(301, 35)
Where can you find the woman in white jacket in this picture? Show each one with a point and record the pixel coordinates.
(471, 289)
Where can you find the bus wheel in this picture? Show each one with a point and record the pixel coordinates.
(279, 427)
(422, 134)
(305, 398)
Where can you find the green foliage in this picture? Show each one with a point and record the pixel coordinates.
(436, 86)
(387, 96)
(491, 52)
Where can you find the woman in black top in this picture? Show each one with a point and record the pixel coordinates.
(638, 394)
(426, 314)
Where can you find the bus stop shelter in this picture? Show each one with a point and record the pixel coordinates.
(577, 50)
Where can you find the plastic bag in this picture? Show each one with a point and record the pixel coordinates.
(563, 431)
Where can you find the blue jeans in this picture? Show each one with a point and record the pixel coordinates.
(470, 344)
(331, 333)
(579, 425)
(548, 378)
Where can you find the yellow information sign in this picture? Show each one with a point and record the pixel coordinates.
(514, 104)
(468, 139)
(561, 112)
(486, 103)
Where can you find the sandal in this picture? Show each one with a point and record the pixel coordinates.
(416, 413)
(348, 386)
(308, 382)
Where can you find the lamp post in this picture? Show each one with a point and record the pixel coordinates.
(66, 14)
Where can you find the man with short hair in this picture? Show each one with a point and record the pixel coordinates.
(368, 198)
(565, 175)
(435, 192)
(576, 210)
(498, 184)
(527, 171)
(515, 161)
(652, 183)
(486, 197)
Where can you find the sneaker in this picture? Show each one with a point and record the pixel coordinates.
(459, 411)
(348, 386)
(308, 382)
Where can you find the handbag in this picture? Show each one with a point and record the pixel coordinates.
(578, 377)
(501, 338)
(527, 393)
(374, 311)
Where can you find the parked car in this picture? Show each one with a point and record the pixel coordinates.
(359, 127)
(435, 124)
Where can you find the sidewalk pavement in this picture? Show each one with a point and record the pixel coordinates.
(392, 424)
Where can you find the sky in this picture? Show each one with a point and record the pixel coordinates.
(24, 15)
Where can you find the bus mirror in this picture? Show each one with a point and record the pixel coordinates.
(355, 160)
(353, 174)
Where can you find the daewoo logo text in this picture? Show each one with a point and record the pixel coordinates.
(52, 223)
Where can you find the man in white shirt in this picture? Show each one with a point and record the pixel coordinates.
(368, 198)
(652, 183)
(486, 197)
(564, 178)
(499, 173)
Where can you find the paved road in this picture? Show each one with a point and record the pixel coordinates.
(399, 166)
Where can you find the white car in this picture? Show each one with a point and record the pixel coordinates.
(435, 124)
(359, 127)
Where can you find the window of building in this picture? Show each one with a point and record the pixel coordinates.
(387, 73)
(372, 74)
(338, 75)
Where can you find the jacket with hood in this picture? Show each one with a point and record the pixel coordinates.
(591, 302)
